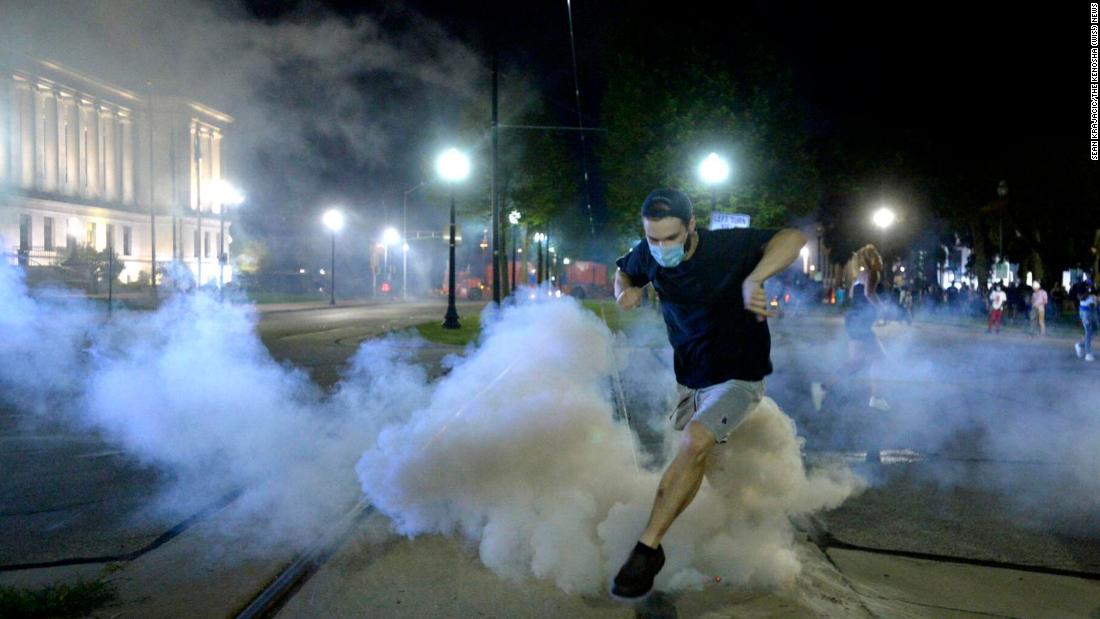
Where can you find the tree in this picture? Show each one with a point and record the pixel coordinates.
(665, 113)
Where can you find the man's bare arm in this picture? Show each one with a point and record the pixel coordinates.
(780, 252)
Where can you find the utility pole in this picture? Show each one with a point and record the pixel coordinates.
(493, 187)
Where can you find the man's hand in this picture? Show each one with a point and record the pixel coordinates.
(752, 293)
(629, 298)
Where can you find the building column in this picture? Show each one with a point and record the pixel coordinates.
(49, 139)
(126, 131)
(71, 139)
(25, 172)
(216, 157)
(5, 128)
(89, 149)
(109, 162)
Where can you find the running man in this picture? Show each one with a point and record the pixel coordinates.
(864, 270)
(711, 286)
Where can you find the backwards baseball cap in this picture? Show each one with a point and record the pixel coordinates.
(665, 202)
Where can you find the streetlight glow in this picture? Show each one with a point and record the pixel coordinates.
(333, 220)
(884, 218)
(453, 166)
(513, 217)
(390, 236)
(539, 237)
(714, 169)
(228, 195)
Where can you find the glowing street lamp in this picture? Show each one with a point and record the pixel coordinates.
(390, 236)
(714, 170)
(513, 218)
(884, 217)
(539, 238)
(334, 221)
(805, 253)
(453, 167)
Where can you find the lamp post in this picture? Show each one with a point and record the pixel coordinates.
(1002, 193)
(389, 237)
(228, 195)
(539, 238)
(714, 170)
(334, 221)
(453, 167)
(513, 218)
(405, 247)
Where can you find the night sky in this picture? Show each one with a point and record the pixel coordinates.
(991, 90)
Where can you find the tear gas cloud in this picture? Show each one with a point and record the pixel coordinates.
(516, 449)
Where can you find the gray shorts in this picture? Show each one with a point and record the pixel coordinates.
(720, 408)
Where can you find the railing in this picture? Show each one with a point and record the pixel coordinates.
(35, 256)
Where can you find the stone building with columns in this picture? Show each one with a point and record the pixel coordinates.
(87, 163)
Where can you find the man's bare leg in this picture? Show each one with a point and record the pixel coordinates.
(680, 483)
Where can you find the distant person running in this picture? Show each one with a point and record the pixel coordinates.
(1087, 310)
(864, 348)
(997, 300)
(1038, 309)
(711, 285)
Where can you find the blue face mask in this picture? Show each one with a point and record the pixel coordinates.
(668, 256)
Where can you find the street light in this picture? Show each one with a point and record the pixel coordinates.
(883, 217)
(539, 238)
(390, 236)
(714, 170)
(227, 196)
(1002, 193)
(405, 235)
(805, 253)
(453, 167)
(513, 218)
(334, 221)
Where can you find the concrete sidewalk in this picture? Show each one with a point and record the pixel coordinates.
(382, 576)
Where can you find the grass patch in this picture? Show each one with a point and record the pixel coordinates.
(57, 600)
(468, 332)
(615, 319)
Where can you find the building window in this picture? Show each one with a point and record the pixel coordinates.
(197, 243)
(25, 233)
(89, 239)
(206, 244)
(47, 233)
(127, 240)
(111, 238)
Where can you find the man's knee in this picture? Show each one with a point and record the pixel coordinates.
(697, 441)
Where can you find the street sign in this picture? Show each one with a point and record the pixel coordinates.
(723, 221)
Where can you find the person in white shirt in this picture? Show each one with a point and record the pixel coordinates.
(997, 300)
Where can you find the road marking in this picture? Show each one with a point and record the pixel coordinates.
(101, 454)
(64, 521)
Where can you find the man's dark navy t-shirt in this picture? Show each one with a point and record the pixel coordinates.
(714, 339)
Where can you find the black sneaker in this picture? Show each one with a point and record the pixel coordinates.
(635, 578)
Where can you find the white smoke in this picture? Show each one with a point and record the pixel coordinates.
(517, 451)
(516, 448)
